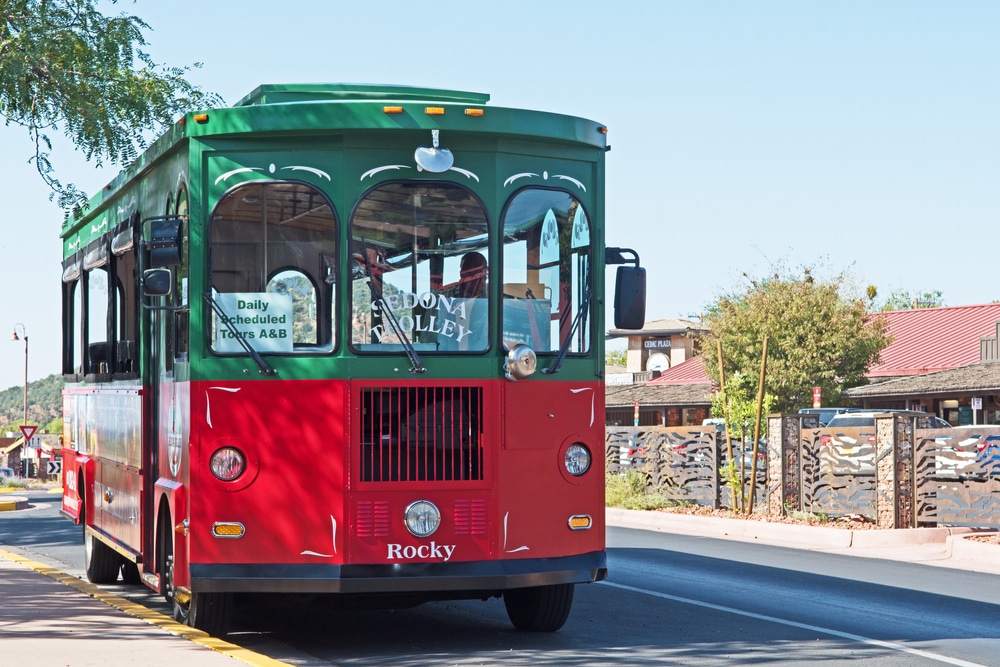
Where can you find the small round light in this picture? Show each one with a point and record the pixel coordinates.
(577, 460)
(521, 361)
(228, 463)
(422, 518)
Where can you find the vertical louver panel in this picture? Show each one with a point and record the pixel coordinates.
(470, 517)
(372, 519)
(421, 434)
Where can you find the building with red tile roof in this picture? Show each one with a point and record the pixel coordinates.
(939, 360)
(926, 340)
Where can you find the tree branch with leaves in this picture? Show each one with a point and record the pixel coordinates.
(66, 67)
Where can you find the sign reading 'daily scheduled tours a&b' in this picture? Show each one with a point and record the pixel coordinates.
(262, 319)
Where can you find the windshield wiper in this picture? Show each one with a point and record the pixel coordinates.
(564, 348)
(254, 354)
(416, 366)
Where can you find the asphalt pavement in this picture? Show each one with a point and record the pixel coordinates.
(49, 618)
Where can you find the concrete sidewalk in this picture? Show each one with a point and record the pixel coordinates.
(50, 619)
(943, 547)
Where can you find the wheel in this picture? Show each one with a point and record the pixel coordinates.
(101, 561)
(130, 572)
(208, 612)
(539, 609)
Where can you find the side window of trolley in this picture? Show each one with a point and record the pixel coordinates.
(273, 269)
(124, 262)
(420, 269)
(547, 257)
(72, 317)
(179, 291)
(96, 301)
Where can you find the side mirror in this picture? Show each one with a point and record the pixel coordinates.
(630, 297)
(164, 242)
(630, 288)
(156, 282)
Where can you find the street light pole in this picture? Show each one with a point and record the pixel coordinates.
(14, 336)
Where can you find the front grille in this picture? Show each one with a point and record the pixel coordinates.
(421, 434)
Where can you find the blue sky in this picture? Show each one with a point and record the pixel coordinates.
(851, 136)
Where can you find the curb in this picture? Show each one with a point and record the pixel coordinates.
(783, 534)
(10, 503)
(970, 551)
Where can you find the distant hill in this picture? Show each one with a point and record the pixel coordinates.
(44, 403)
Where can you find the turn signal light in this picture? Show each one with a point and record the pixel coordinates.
(580, 522)
(228, 529)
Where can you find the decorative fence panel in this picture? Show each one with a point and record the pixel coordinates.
(958, 476)
(679, 462)
(838, 471)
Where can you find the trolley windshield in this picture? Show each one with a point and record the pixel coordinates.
(420, 254)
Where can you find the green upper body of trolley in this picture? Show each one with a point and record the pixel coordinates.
(346, 142)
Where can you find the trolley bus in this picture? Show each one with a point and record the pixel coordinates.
(346, 340)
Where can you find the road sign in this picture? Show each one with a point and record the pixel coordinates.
(53, 468)
(28, 431)
(817, 397)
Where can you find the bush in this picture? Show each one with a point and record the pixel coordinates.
(12, 482)
(630, 491)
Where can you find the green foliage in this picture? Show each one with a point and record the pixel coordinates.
(616, 358)
(12, 483)
(44, 404)
(906, 300)
(817, 336)
(806, 517)
(630, 490)
(66, 67)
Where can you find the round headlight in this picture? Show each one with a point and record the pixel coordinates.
(577, 460)
(422, 518)
(521, 362)
(228, 463)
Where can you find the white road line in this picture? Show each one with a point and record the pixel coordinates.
(804, 626)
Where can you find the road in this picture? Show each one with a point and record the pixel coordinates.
(671, 600)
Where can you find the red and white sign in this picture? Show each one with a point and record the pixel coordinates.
(28, 431)
(817, 397)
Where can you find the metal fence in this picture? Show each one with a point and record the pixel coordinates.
(896, 472)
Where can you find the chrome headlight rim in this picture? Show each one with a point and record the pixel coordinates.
(422, 518)
(577, 460)
(228, 463)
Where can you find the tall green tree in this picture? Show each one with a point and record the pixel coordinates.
(819, 336)
(66, 67)
(901, 299)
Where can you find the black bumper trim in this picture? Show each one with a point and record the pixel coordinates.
(399, 578)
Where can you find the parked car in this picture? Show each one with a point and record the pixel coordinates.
(856, 419)
(826, 414)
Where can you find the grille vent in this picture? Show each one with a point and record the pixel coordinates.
(421, 434)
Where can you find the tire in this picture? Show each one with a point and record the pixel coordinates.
(539, 609)
(130, 572)
(102, 563)
(208, 612)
